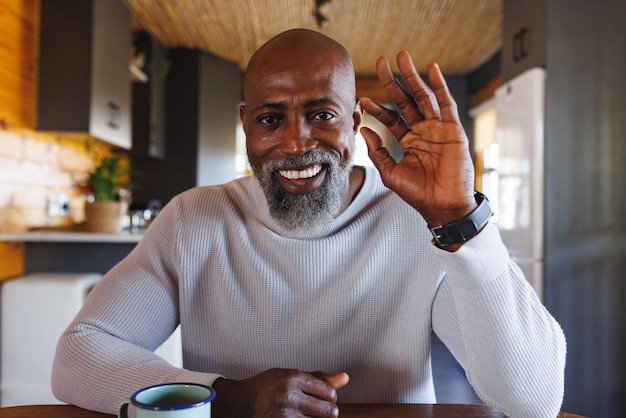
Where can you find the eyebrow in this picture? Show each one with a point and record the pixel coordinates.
(320, 101)
(308, 104)
(271, 105)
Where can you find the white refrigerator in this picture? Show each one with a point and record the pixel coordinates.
(514, 171)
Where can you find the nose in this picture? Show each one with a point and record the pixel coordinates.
(297, 138)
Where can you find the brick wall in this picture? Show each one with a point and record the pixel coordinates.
(32, 169)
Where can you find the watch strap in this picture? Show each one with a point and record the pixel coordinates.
(463, 229)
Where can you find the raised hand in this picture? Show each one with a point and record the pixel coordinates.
(436, 174)
(279, 393)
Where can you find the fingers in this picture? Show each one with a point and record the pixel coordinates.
(377, 152)
(396, 125)
(423, 102)
(336, 381)
(317, 399)
(447, 105)
(423, 95)
(323, 390)
(403, 100)
(322, 395)
(279, 393)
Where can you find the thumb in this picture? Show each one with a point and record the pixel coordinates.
(383, 161)
(336, 380)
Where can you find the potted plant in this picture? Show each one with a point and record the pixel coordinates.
(107, 184)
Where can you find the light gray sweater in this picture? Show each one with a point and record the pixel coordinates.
(360, 296)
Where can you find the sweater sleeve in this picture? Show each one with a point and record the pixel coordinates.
(106, 353)
(488, 315)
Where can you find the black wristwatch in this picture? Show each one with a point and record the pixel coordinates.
(465, 228)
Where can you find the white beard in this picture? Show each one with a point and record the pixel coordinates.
(310, 211)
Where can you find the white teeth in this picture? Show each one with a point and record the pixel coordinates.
(302, 174)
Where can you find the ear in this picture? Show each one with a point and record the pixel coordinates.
(242, 116)
(357, 116)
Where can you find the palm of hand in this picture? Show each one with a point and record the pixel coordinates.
(436, 173)
(435, 168)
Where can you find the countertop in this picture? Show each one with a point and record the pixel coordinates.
(72, 235)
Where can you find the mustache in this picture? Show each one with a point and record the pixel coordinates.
(300, 161)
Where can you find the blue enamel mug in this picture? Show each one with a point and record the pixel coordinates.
(170, 400)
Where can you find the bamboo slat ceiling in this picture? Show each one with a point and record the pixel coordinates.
(460, 35)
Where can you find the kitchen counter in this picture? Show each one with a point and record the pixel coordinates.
(72, 249)
(70, 235)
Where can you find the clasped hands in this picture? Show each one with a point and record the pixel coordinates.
(279, 393)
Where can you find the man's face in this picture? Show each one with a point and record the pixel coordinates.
(300, 118)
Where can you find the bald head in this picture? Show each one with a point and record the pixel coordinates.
(300, 50)
(305, 41)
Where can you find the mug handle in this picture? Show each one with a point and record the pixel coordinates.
(122, 412)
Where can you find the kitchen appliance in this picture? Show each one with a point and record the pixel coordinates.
(36, 309)
(514, 171)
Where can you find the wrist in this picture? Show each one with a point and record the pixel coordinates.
(453, 234)
(451, 212)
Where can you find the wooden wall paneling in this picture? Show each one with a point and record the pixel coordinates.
(19, 32)
(487, 92)
(370, 87)
(11, 260)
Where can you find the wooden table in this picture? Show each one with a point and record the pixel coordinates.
(347, 411)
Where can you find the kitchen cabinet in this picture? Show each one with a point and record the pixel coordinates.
(524, 36)
(71, 251)
(148, 113)
(84, 80)
(203, 94)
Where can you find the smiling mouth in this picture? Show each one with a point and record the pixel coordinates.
(301, 174)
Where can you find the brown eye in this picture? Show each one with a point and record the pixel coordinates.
(268, 120)
(323, 116)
